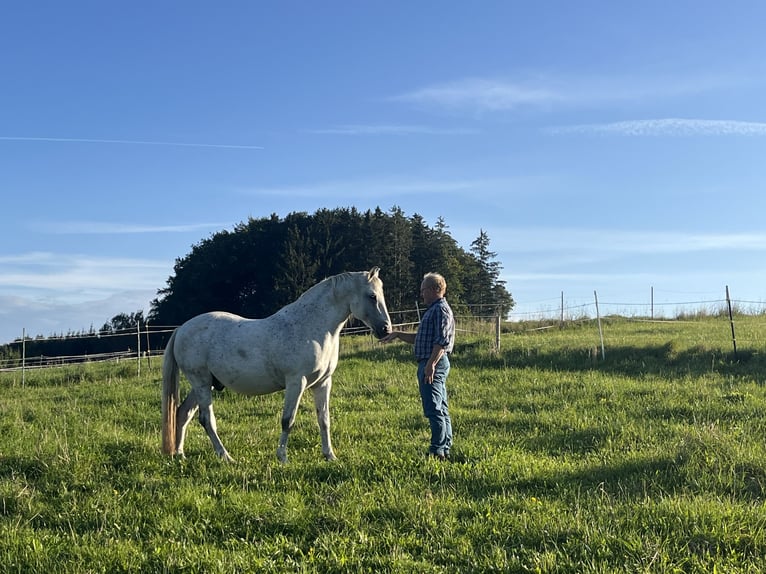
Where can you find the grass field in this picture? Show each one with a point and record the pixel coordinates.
(652, 459)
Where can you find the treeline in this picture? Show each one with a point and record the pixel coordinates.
(263, 264)
(116, 336)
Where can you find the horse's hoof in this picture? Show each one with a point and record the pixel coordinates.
(226, 457)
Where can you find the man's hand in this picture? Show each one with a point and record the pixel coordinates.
(392, 336)
(401, 335)
(428, 373)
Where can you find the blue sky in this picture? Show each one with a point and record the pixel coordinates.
(603, 146)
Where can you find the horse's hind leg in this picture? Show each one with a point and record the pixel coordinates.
(207, 420)
(184, 415)
(293, 393)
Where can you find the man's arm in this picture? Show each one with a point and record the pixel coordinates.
(401, 335)
(436, 353)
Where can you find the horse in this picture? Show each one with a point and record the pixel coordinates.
(292, 350)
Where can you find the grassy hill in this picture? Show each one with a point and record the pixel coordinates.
(650, 458)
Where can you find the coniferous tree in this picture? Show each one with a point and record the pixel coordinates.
(296, 261)
(399, 254)
(487, 288)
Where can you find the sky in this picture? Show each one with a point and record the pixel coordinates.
(608, 149)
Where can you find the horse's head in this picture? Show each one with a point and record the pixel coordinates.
(369, 305)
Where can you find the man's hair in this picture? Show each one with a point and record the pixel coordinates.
(436, 281)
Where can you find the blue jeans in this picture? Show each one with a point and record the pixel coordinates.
(436, 407)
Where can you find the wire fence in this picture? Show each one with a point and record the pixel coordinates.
(146, 341)
(566, 310)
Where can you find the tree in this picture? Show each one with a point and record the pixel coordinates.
(486, 286)
(123, 322)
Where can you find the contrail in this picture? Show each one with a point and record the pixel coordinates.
(127, 142)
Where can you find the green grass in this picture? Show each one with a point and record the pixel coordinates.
(652, 460)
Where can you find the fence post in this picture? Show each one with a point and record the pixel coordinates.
(731, 322)
(148, 348)
(561, 320)
(497, 332)
(138, 346)
(23, 357)
(600, 331)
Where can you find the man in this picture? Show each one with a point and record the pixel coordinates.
(433, 341)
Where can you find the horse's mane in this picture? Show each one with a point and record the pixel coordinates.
(331, 281)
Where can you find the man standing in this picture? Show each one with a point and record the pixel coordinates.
(433, 341)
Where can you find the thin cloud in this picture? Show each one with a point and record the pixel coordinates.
(608, 241)
(390, 130)
(48, 316)
(26, 258)
(128, 142)
(592, 277)
(669, 127)
(499, 95)
(109, 228)
(47, 292)
(480, 94)
(384, 187)
(75, 275)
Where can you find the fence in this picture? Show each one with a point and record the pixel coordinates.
(147, 341)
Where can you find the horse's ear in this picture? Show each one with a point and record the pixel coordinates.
(373, 273)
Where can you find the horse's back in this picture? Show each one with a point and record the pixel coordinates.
(203, 337)
(237, 351)
(207, 327)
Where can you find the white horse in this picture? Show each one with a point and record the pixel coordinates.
(293, 350)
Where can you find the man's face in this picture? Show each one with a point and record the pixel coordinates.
(428, 293)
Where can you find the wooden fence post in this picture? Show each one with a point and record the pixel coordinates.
(561, 320)
(138, 346)
(731, 322)
(497, 332)
(148, 348)
(600, 331)
(23, 357)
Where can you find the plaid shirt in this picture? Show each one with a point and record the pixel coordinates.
(437, 327)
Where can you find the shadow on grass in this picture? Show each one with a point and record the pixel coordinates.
(691, 464)
(630, 480)
(665, 360)
(14, 467)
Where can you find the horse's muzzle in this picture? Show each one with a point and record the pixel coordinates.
(382, 331)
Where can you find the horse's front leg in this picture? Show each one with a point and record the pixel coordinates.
(293, 393)
(322, 404)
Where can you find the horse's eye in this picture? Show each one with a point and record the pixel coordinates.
(373, 297)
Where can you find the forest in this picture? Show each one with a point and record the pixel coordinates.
(263, 264)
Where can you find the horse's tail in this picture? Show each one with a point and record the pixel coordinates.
(170, 397)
